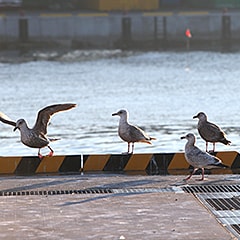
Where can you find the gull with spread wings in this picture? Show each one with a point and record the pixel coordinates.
(36, 137)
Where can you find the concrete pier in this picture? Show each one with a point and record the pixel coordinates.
(137, 207)
(153, 29)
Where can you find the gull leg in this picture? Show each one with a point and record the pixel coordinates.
(201, 179)
(39, 154)
(51, 151)
(206, 146)
(128, 151)
(213, 150)
(128, 148)
(132, 147)
(202, 175)
(194, 170)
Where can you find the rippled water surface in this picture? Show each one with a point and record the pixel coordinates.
(161, 90)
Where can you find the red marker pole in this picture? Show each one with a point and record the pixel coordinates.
(188, 35)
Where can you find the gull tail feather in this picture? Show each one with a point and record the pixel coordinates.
(226, 142)
(222, 165)
(53, 139)
(152, 138)
(218, 165)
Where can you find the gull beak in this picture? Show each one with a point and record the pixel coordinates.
(15, 128)
(195, 116)
(183, 137)
(114, 114)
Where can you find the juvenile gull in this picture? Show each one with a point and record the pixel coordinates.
(198, 158)
(130, 133)
(210, 132)
(37, 136)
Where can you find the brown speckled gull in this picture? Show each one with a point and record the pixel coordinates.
(198, 158)
(36, 137)
(210, 132)
(130, 133)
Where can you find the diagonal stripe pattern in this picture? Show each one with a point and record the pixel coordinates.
(158, 163)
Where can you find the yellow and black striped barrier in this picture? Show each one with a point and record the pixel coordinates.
(157, 163)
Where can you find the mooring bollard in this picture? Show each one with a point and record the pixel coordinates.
(126, 31)
(23, 28)
(226, 31)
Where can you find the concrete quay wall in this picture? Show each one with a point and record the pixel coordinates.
(131, 29)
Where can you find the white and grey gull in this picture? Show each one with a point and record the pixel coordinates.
(210, 132)
(36, 137)
(198, 158)
(130, 133)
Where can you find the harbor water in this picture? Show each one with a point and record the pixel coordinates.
(161, 90)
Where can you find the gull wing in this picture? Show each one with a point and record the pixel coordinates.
(45, 114)
(203, 159)
(211, 132)
(137, 134)
(5, 119)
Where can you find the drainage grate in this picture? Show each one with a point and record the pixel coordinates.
(223, 201)
(211, 188)
(147, 190)
(236, 228)
(56, 192)
(91, 191)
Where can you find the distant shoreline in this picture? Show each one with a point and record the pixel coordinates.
(152, 30)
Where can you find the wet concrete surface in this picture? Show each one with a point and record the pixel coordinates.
(170, 214)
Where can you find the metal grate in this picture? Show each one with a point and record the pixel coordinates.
(147, 190)
(223, 201)
(55, 192)
(236, 228)
(211, 188)
(90, 191)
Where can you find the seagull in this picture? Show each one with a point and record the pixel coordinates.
(130, 133)
(36, 137)
(210, 132)
(198, 158)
